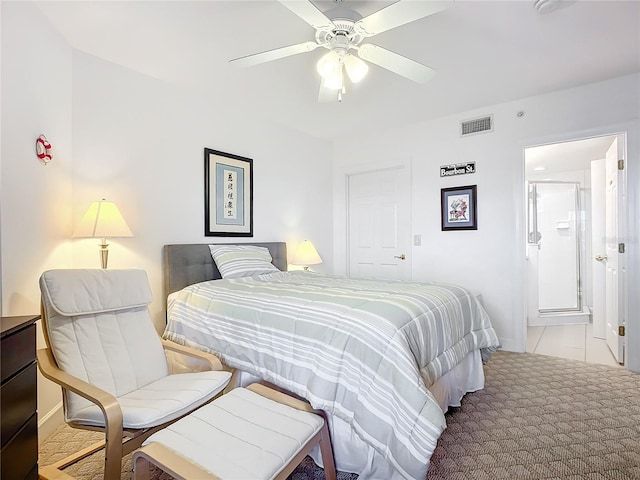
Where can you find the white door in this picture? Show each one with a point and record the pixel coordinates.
(379, 224)
(598, 247)
(614, 197)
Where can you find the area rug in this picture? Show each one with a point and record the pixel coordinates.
(537, 417)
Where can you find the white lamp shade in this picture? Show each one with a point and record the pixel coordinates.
(328, 64)
(330, 69)
(102, 219)
(356, 68)
(306, 254)
(334, 82)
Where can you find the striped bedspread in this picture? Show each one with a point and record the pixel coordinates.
(363, 350)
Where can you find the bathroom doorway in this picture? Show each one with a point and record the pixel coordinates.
(566, 260)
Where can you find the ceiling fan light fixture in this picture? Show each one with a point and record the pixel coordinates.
(342, 31)
(356, 68)
(329, 64)
(335, 81)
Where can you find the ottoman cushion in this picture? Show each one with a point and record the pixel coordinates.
(241, 435)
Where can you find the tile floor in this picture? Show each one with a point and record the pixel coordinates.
(575, 342)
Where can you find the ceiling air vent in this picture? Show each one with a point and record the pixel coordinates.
(476, 125)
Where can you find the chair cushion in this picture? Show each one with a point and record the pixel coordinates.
(100, 330)
(241, 425)
(118, 352)
(161, 401)
(75, 292)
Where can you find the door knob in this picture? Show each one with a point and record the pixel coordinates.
(401, 256)
(600, 257)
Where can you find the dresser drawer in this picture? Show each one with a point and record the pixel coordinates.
(18, 398)
(20, 455)
(33, 474)
(18, 350)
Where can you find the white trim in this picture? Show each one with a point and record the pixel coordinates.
(48, 423)
(632, 158)
(340, 207)
(511, 345)
(632, 240)
(563, 318)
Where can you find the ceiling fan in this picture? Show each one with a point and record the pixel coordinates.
(342, 32)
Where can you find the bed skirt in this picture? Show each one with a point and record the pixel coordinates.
(352, 455)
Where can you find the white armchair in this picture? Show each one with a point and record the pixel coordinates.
(105, 353)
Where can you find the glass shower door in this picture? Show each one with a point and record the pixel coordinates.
(553, 227)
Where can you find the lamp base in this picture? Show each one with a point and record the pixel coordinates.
(104, 253)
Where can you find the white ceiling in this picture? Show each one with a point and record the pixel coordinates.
(568, 156)
(484, 52)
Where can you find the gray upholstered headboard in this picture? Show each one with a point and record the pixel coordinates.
(185, 264)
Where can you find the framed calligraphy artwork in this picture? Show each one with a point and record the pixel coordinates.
(228, 195)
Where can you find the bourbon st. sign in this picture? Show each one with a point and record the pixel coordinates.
(457, 169)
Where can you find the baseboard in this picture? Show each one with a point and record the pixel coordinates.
(509, 345)
(50, 422)
(564, 318)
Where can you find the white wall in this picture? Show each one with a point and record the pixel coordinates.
(139, 142)
(35, 199)
(491, 259)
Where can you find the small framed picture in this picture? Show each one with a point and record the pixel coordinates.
(228, 195)
(458, 208)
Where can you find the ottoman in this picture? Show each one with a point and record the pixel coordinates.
(249, 433)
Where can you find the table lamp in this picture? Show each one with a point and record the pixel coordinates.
(305, 255)
(102, 220)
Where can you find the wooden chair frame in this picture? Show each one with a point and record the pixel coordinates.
(118, 441)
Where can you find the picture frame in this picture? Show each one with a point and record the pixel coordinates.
(458, 208)
(228, 195)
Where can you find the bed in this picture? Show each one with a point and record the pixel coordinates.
(384, 359)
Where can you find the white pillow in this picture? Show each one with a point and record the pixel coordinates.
(235, 261)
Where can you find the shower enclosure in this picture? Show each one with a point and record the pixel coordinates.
(554, 252)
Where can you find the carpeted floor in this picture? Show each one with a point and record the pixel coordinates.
(537, 417)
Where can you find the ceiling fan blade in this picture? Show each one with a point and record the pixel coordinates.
(396, 63)
(276, 54)
(326, 94)
(309, 13)
(397, 14)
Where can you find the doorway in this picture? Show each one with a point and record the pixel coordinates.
(379, 223)
(566, 220)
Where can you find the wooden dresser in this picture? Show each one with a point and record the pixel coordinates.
(18, 401)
